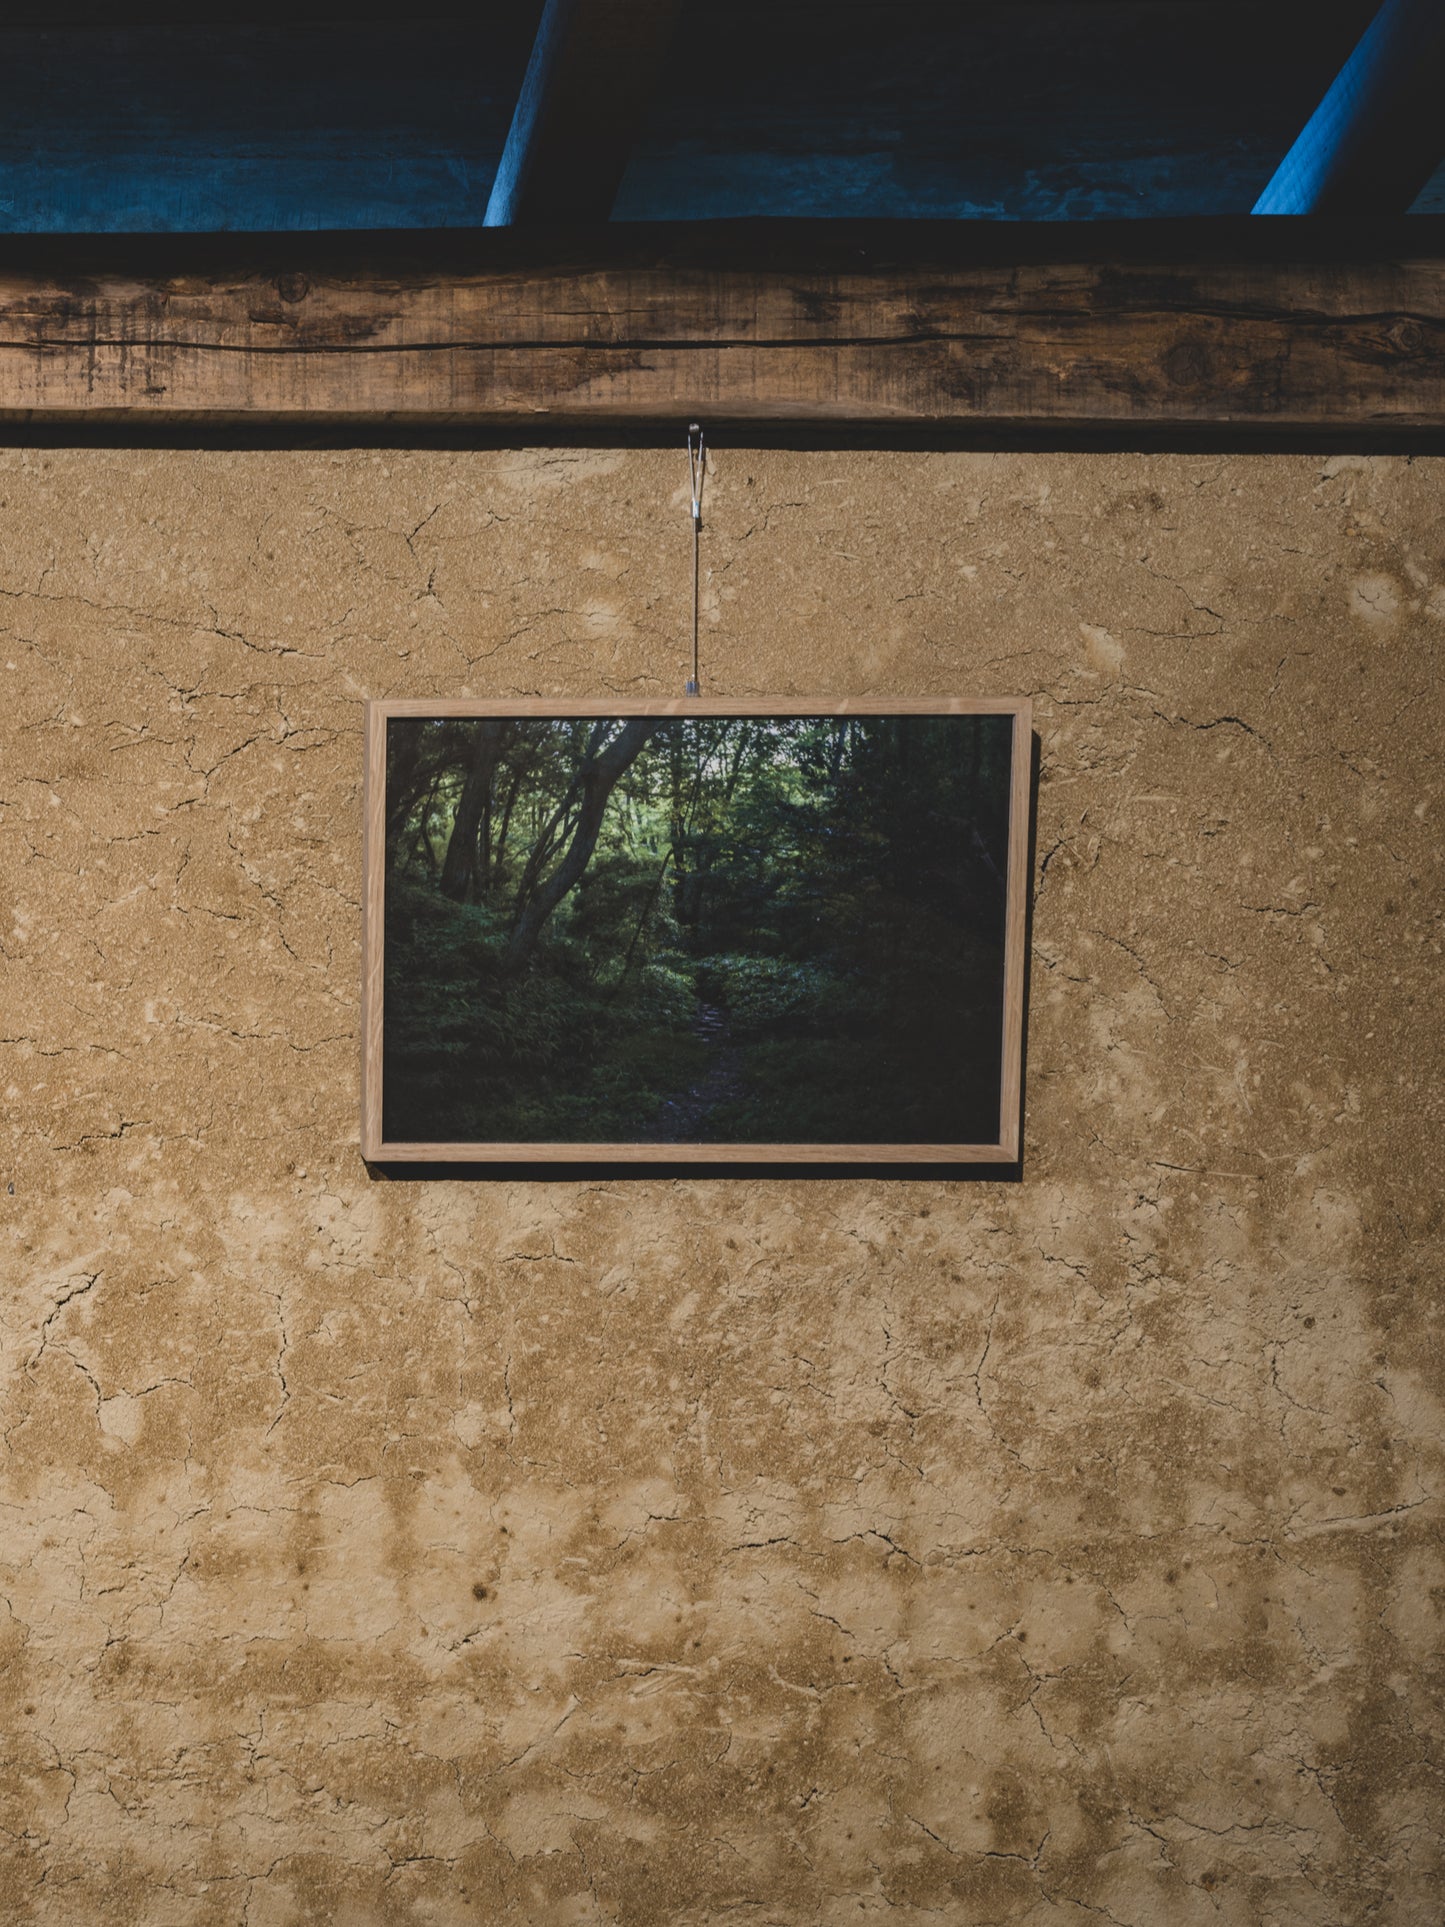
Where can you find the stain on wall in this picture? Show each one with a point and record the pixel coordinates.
(685, 1550)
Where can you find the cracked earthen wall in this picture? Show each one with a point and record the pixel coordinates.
(785, 1551)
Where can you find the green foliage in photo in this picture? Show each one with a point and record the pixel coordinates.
(728, 930)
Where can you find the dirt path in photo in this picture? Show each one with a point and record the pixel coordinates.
(682, 1118)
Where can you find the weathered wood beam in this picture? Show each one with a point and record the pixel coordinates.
(987, 328)
(591, 75)
(1379, 133)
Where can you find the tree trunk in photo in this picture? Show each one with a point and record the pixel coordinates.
(423, 830)
(598, 778)
(744, 745)
(402, 762)
(499, 852)
(647, 909)
(677, 833)
(459, 869)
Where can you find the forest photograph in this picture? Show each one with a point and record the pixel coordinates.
(701, 929)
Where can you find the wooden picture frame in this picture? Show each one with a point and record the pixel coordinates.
(1001, 1147)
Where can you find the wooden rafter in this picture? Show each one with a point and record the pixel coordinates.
(593, 69)
(987, 328)
(1378, 134)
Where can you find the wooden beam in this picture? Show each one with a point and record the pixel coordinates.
(591, 76)
(1379, 133)
(985, 329)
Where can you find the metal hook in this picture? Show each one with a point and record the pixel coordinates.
(696, 472)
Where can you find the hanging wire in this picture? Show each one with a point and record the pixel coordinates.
(696, 470)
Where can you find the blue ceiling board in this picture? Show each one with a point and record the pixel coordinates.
(156, 129)
(1037, 110)
(138, 120)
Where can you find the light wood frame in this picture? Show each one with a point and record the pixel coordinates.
(1004, 1150)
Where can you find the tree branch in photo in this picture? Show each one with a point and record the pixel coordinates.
(596, 780)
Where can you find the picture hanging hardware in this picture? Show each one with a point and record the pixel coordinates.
(696, 470)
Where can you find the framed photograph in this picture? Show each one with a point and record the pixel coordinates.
(695, 931)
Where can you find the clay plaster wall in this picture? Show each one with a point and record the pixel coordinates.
(684, 1550)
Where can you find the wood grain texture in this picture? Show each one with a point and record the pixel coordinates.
(1180, 326)
(661, 1153)
(708, 706)
(1016, 933)
(1004, 1150)
(373, 905)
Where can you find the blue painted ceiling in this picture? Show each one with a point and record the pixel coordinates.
(164, 119)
